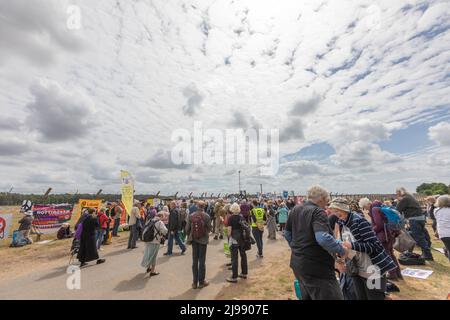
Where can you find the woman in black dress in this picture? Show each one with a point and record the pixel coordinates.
(88, 248)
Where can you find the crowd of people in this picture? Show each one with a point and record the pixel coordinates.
(340, 248)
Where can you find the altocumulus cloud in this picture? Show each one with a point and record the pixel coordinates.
(58, 114)
(440, 133)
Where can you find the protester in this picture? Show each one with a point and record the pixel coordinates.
(314, 249)
(25, 225)
(133, 223)
(410, 208)
(88, 247)
(64, 232)
(106, 237)
(197, 230)
(365, 206)
(116, 213)
(153, 235)
(271, 221)
(282, 215)
(431, 201)
(373, 263)
(442, 214)
(245, 210)
(385, 236)
(165, 216)
(100, 233)
(258, 218)
(219, 216)
(236, 244)
(192, 207)
(174, 229)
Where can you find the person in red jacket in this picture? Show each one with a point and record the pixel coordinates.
(103, 220)
(386, 237)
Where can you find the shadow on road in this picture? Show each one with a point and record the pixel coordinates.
(136, 283)
(116, 253)
(57, 273)
(191, 294)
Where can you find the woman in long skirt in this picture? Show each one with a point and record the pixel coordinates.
(271, 222)
(88, 247)
(152, 247)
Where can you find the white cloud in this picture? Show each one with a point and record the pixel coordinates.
(152, 67)
(58, 114)
(440, 133)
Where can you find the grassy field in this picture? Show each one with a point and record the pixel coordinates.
(275, 280)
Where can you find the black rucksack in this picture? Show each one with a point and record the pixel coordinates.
(149, 233)
(411, 259)
(246, 234)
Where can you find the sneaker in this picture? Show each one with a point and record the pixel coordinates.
(83, 264)
(232, 280)
(215, 238)
(221, 237)
(229, 264)
(183, 251)
(167, 254)
(100, 261)
(194, 286)
(230, 268)
(259, 255)
(243, 276)
(203, 284)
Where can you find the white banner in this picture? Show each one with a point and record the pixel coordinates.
(5, 225)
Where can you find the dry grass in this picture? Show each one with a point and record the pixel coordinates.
(275, 280)
(19, 261)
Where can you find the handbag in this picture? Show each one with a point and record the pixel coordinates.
(404, 242)
(359, 264)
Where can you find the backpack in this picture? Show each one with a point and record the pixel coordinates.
(198, 226)
(246, 234)
(149, 233)
(411, 259)
(395, 221)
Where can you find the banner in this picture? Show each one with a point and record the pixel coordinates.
(5, 225)
(86, 203)
(154, 202)
(49, 218)
(127, 189)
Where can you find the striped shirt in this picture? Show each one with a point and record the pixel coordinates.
(366, 241)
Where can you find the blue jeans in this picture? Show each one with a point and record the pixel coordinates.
(175, 236)
(420, 235)
(258, 235)
(99, 237)
(198, 262)
(133, 236)
(116, 227)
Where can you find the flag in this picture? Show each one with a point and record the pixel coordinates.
(127, 189)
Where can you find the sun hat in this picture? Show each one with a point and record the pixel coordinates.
(235, 208)
(340, 204)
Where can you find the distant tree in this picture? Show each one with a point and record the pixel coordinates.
(433, 188)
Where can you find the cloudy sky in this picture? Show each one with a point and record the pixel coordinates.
(359, 92)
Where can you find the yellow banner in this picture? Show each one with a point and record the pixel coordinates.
(86, 203)
(127, 189)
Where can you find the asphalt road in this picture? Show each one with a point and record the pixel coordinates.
(122, 277)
